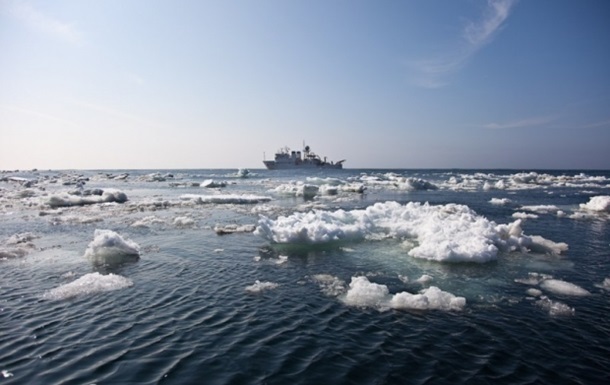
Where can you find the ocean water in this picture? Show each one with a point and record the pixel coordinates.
(319, 277)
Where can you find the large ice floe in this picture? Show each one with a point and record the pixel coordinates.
(109, 248)
(447, 233)
(88, 284)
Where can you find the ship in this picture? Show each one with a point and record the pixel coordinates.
(285, 159)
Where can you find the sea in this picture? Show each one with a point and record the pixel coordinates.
(354, 276)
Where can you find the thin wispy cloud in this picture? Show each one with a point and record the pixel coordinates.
(604, 123)
(523, 123)
(35, 19)
(433, 72)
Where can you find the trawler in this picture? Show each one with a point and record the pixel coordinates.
(287, 159)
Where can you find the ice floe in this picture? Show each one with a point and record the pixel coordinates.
(448, 233)
(555, 308)
(541, 209)
(363, 293)
(597, 204)
(225, 199)
(560, 287)
(233, 228)
(211, 183)
(88, 284)
(522, 215)
(66, 199)
(184, 221)
(108, 247)
(500, 201)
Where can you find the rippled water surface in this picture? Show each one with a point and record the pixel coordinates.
(248, 307)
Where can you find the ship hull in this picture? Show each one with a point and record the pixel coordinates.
(273, 165)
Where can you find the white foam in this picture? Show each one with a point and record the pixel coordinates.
(597, 204)
(259, 286)
(108, 247)
(450, 233)
(560, 287)
(363, 293)
(88, 284)
(225, 199)
(500, 201)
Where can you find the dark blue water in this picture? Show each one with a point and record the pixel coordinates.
(187, 318)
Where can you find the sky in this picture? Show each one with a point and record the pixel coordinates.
(149, 84)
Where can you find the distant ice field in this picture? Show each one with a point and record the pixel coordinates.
(330, 276)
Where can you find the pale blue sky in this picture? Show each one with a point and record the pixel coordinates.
(209, 84)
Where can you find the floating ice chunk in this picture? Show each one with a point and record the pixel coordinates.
(88, 284)
(109, 247)
(65, 199)
(184, 222)
(555, 308)
(416, 184)
(431, 298)
(533, 292)
(353, 187)
(598, 204)
(225, 199)
(232, 229)
(522, 215)
(363, 293)
(211, 183)
(329, 190)
(452, 233)
(560, 287)
(299, 189)
(500, 201)
(424, 279)
(259, 286)
(541, 209)
(538, 244)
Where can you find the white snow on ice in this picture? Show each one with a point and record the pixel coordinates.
(363, 293)
(88, 284)
(108, 246)
(448, 233)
